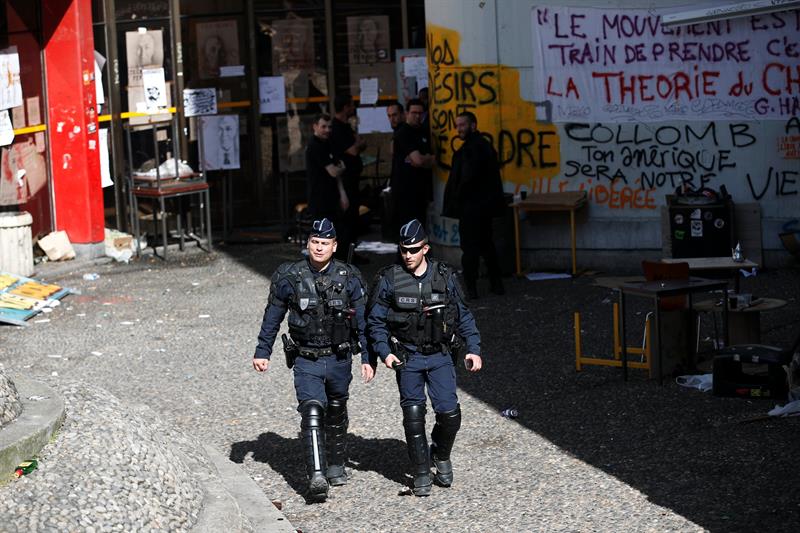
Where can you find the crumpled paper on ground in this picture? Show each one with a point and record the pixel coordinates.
(702, 382)
(790, 409)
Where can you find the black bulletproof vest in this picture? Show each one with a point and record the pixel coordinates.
(319, 313)
(421, 313)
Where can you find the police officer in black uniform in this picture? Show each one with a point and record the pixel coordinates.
(325, 299)
(417, 322)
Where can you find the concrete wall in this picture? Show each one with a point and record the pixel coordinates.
(481, 58)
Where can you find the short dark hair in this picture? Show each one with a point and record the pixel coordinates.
(341, 101)
(321, 116)
(396, 104)
(415, 101)
(423, 90)
(470, 116)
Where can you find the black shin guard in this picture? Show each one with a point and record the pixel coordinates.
(418, 454)
(443, 436)
(335, 436)
(313, 436)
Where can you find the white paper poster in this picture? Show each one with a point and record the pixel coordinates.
(198, 102)
(144, 49)
(220, 141)
(373, 120)
(231, 71)
(105, 165)
(369, 91)
(6, 129)
(34, 111)
(625, 65)
(416, 67)
(10, 84)
(18, 117)
(155, 88)
(272, 94)
(99, 63)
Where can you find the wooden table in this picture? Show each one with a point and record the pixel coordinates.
(701, 264)
(661, 289)
(552, 201)
(744, 324)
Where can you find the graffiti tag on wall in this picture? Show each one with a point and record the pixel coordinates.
(624, 65)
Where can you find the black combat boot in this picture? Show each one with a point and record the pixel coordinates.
(442, 438)
(313, 436)
(417, 442)
(335, 438)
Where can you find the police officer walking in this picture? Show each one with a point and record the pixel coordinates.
(325, 299)
(416, 322)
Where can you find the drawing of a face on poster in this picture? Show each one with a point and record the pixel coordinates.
(368, 39)
(217, 46)
(143, 49)
(220, 141)
(292, 45)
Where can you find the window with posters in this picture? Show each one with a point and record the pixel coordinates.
(24, 181)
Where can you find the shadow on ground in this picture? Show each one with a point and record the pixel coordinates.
(716, 461)
(385, 457)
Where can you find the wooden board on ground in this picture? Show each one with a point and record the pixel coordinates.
(22, 298)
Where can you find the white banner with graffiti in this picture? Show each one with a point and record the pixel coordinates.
(615, 65)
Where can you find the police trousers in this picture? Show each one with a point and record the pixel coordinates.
(437, 373)
(327, 378)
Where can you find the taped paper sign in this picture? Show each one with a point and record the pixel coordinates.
(198, 102)
(271, 94)
(10, 84)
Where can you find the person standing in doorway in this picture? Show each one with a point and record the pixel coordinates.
(412, 186)
(326, 195)
(474, 195)
(347, 147)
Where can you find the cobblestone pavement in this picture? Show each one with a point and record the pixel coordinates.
(587, 453)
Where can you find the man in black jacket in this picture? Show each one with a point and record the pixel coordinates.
(474, 195)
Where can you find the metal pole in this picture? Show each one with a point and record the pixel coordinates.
(329, 52)
(177, 61)
(114, 101)
(255, 112)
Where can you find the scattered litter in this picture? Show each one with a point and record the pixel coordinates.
(91, 276)
(790, 409)
(54, 356)
(41, 321)
(25, 468)
(47, 309)
(749, 273)
(702, 382)
(195, 284)
(203, 316)
(57, 246)
(54, 373)
(127, 323)
(81, 314)
(509, 413)
(606, 301)
(118, 245)
(376, 247)
(539, 276)
(96, 353)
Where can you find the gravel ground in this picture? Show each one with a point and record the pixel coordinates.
(587, 453)
(111, 467)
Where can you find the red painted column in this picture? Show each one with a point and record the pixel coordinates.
(72, 119)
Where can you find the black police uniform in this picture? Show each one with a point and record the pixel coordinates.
(426, 315)
(326, 326)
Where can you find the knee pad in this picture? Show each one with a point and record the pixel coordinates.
(336, 413)
(450, 421)
(414, 418)
(312, 414)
